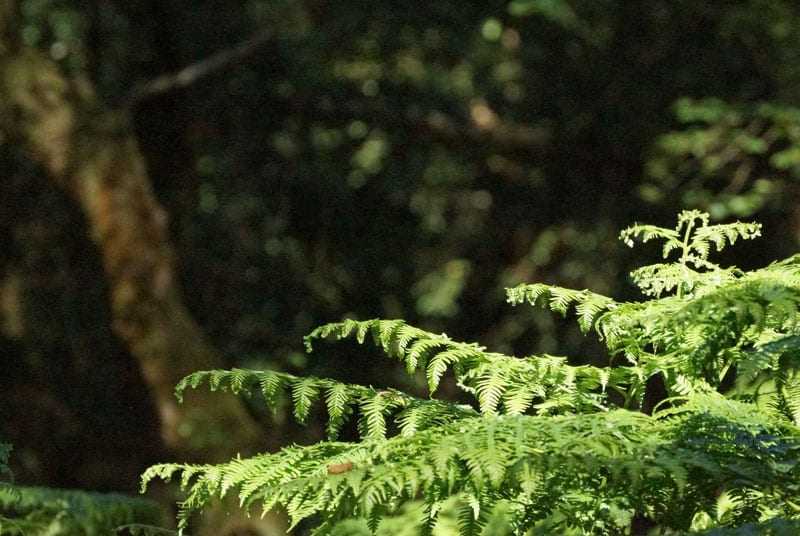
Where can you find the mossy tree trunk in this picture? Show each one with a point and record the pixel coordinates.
(91, 153)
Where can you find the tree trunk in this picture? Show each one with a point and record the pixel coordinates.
(92, 154)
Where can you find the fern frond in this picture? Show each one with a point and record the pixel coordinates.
(772, 353)
(693, 238)
(645, 233)
(587, 304)
(697, 445)
(419, 415)
(657, 279)
(374, 411)
(711, 331)
(723, 235)
(39, 510)
(472, 515)
(375, 408)
(305, 392)
(340, 407)
(490, 386)
(555, 385)
(787, 383)
(518, 397)
(555, 448)
(9, 494)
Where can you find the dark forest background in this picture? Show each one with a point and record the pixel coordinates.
(192, 184)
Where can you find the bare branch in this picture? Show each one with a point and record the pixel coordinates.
(192, 73)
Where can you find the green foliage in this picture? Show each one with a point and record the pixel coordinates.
(40, 511)
(694, 243)
(141, 529)
(374, 406)
(33, 511)
(727, 158)
(8, 493)
(547, 446)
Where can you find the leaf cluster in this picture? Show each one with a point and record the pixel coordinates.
(39, 510)
(693, 242)
(754, 148)
(546, 446)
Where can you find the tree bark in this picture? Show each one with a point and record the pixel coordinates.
(91, 153)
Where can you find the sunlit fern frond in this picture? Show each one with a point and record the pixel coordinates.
(373, 407)
(697, 445)
(587, 304)
(693, 239)
(496, 380)
(692, 424)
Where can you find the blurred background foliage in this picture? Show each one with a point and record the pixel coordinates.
(378, 159)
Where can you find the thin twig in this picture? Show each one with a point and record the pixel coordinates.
(192, 73)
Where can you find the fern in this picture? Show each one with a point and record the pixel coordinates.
(547, 447)
(341, 400)
(36, 510)
(694, 243)
(555, 384)
(511, 458)
(141, 529)
(27, 510)
(587, 304)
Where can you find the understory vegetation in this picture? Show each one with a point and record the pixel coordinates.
(39, 511)
(690, 427)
